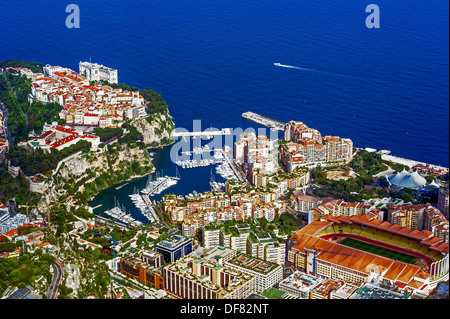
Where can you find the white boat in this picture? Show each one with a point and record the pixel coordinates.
(118, 214)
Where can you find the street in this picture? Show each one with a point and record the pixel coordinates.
(57, 276)
(6, 130)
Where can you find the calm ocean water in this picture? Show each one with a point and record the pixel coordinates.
(384, 88)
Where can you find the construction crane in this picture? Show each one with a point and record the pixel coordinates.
(44, 207)
(114, 246)
(315, 250)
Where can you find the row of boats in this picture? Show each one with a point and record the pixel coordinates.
(192, 163)
(198, 150)
(118, 213)
(225, 171)
(139, 202)
(160, 183)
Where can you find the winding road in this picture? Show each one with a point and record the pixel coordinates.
(52, 292)
(5, 128)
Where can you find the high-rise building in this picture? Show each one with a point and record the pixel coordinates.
(174, 248)
(266, 273)
(145, 268)
(443, 201)
(197, 278)
(210, 237)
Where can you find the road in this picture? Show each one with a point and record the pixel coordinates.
(56, 280)
(6, 129)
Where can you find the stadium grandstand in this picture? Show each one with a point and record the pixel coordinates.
(364, 249)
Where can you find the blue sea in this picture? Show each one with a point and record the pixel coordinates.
(385, 88)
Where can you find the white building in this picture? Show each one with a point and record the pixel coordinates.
(50, 70)
(8, 223)
(98, 72)
(210, 238)
(267, 274)
(300, 284)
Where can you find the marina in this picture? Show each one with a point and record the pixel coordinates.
(192, 163)
(206, 133)
(120, 215)
(225, 171)
(215, 186)
(142, 205)
(200, 177)
(272, 124)
(160, 184)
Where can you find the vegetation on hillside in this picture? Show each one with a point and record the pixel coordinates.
(33, 162)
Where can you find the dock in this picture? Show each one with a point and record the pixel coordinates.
(270, 123)
(230, 162)
(224, 131)
(119, 187)
(150, 207)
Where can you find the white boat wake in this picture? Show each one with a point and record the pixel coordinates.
(294, 67)
(311, 70)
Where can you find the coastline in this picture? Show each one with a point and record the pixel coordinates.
(404, 161)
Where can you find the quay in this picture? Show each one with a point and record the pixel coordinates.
(150, 207)
(230, 161)
(119, 187)
(272, 124)
(224, 131)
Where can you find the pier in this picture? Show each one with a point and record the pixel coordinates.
(272, 124)
(150, 207)
(230, 162)
(224, 131)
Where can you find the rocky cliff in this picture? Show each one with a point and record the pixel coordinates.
(156, 129)
(95, 171)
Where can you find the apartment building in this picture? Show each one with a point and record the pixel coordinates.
(300, 284)
(197, 278)
(306, 147)
(266, 274)
(442, 204)
(145, 268)
(174, 248)
(210, 237)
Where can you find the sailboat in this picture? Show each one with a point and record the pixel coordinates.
(177, 174)
(212, 180)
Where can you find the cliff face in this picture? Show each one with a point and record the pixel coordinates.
(83, 169)
(156, 129)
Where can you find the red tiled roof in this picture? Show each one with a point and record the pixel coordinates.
(64, 141)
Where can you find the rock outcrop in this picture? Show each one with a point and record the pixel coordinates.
(155, 129)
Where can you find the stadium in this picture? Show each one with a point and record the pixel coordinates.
(364, 249)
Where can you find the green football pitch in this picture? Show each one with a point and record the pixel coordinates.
(377, 250)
